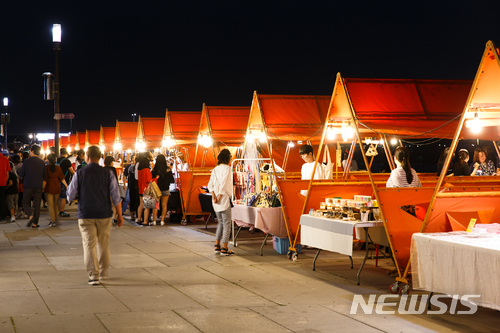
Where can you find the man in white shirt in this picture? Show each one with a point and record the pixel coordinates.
(307, 154)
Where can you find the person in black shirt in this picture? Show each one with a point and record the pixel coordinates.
(12, 193)
(164, 174)
(68, 172)
(461, 168)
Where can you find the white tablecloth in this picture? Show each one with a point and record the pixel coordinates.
(330, 234)
(270, 220)
(457, 263)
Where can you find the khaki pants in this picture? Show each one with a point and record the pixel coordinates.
(53, 203)
(95, 238)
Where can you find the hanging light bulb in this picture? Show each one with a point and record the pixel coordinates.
(117, 146)
(262, 137)
(394, 141)
(102, 148)
(68, 148)
(205, 140)
(330, 133)
(168, 142)
(85, 148)
(475, 125)
(291, 144)
(347, 131)
(140, 146)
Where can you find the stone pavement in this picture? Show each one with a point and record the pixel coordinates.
(168, 279)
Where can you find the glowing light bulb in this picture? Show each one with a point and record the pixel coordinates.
(262, 137)
(68, 148)
(330, 133)
(117, 146)
(205, 141)
(394, 141)
(250, 136)
(475, 125)
(291, 144)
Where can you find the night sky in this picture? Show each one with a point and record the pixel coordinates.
(123, 57)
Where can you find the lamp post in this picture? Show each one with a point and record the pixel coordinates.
(56, 42)
(133, 116)
(5, 119)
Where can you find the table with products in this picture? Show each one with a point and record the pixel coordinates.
(268, 219)
(458, 263)
(336, 235)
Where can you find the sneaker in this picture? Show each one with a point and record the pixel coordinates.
(63, 214)
(13, 219)
(162, 223)
(50, 224)
(53, 224)
(154, 222)
(94, 282)
(103, 277)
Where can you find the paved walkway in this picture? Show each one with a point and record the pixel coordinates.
(167, 279)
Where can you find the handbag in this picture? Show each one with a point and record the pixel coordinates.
(149, 201)
(151, 192)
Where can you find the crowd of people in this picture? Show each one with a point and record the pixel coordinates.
(32, 180)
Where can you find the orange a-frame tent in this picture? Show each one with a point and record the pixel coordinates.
(182, 127)
(125, 136)
(81, 138)
(373, 118)
(73, 142)
(150, 132)
(92, 138)
(455, 200)
(223, 127)
(63, 142)
(284, 119)
(107, 138)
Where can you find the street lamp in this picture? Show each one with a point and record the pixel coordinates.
(56, 42)
(5, 119)
(133, 116)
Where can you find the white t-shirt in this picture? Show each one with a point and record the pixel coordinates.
(221, 182)
(307, 170)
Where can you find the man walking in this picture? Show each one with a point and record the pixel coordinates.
(33, 171)
(93, 186)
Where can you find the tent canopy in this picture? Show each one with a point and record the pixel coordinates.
(93, 137)
(151, 131)
(405, 108)
(107, 138)
(126, 134)
(185, 126)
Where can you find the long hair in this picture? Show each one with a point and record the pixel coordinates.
(224, 156)
(462, 156)
(161, 164)
(143, 163)
(443, 156)
(52, 161)
(402, 154)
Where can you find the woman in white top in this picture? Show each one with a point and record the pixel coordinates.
(307, 154)
(403, 175)
(221, 188)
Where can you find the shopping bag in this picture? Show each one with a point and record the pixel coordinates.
(151, 192)
(327, 164)
(156, 189)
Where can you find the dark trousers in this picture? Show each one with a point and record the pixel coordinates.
(3, 202)
(34, 194)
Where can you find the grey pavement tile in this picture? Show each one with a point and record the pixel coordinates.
(21, 303)
(6, 325)
(122, 248)
(147, 297)
(12, 281)
(157, 247)
(80, 301)
(223, 320)
(38, 240)
(61, 250)
(146, 322)
(67, 262)
(223, 295)
(59, 280)
(240, 274)
(134, 260)
(77, 240)
(185, 275)
(25, 264)
(312, 318)
(181, 258)
(20, 252)
(74, 323)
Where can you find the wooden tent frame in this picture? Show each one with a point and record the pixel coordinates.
(485, 187)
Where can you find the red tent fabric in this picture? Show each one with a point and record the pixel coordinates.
(93, 137)
(107, 138)
(152, 129)
(127, 134)
(423, 108)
